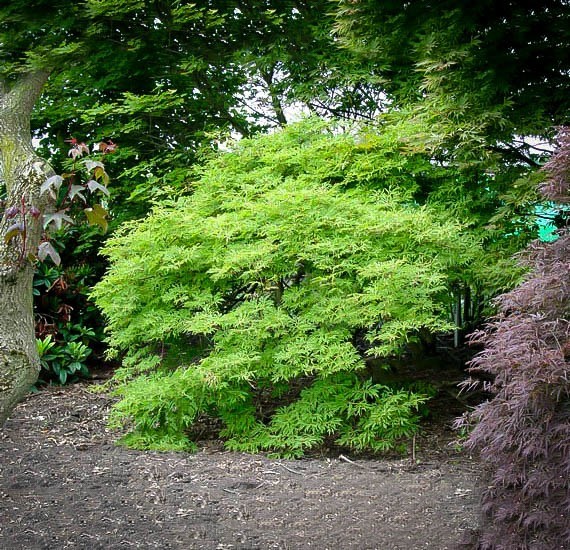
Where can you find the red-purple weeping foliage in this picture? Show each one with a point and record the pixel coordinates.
(557, 185)
(523, 433)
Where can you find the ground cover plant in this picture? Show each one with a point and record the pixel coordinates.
(297, 258)
(68, 326)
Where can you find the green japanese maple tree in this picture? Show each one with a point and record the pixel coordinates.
(297, 258)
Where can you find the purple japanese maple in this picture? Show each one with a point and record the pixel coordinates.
(523, 433)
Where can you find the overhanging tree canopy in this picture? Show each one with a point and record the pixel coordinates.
(166, 78)
(498, 68)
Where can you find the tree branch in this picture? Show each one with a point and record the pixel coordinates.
(515, 153)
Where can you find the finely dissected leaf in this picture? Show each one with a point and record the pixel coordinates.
(97, 216)
(523, 432)
(46, 249)
(263, 277)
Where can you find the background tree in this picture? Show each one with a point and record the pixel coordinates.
(484, 73)
(483, 83)
(165, 79)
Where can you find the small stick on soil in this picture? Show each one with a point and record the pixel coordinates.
(346, 459)
(292, 471)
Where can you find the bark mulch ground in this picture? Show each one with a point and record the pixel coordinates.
(65, 484)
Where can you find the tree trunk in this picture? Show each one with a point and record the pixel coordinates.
(268, 77)
(22, 173)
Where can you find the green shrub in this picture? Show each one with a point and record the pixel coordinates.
(63, 362)
(258, 284)
(63, 313)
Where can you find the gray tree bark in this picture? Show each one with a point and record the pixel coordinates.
(22, 172)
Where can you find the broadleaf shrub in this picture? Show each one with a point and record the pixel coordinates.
(258, 283)
(523, 433)
(68, 326)
(63, 311)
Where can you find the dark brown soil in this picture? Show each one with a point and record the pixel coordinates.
(64, 484)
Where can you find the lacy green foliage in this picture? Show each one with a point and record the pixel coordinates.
(360, 415)
(481, 71)
(288, 246)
